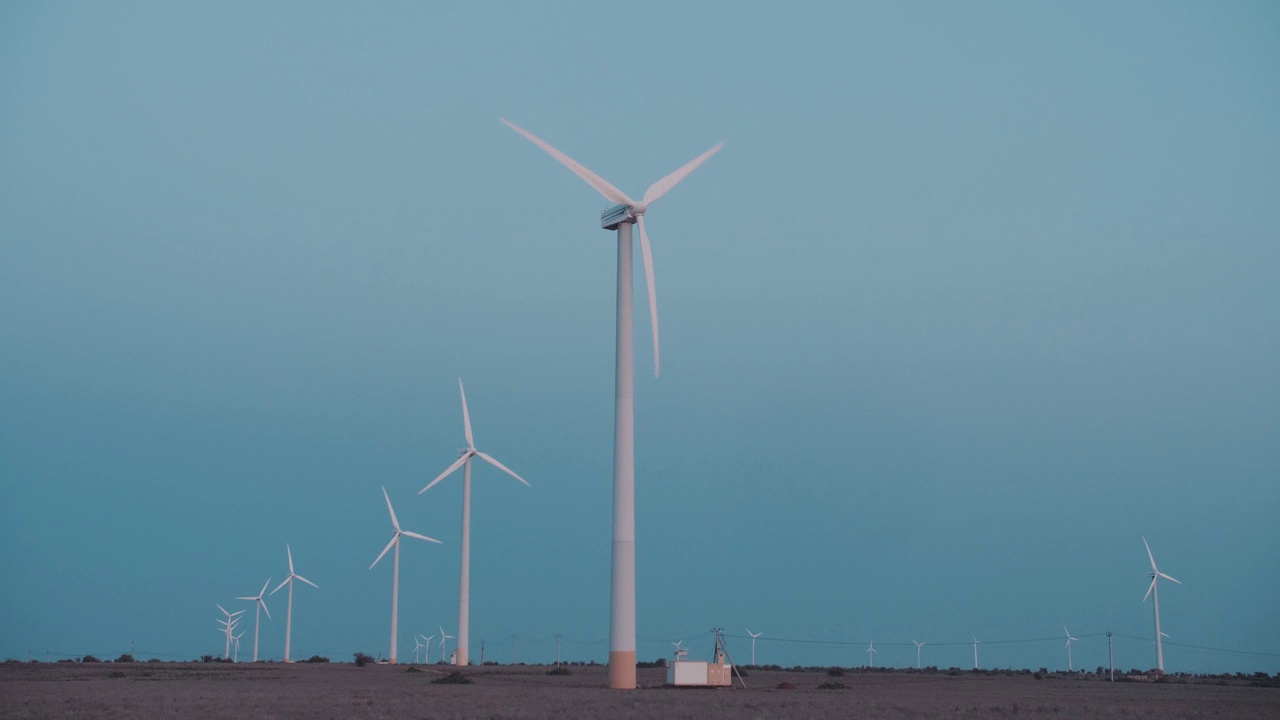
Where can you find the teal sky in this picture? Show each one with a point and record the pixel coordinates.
(975, 297)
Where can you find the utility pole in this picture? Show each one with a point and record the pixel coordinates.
(1111, 658)
(557, 649)
(482, 652)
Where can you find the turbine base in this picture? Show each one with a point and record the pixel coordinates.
(622, 670)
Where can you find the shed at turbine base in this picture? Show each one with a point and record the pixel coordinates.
(699, 674)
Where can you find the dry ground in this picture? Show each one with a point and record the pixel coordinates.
(270, 691)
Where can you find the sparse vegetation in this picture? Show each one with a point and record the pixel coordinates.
(560, 670)
(89, 658)
(454, 678)
(125, 657)
(316, 659)
(832, 685)
(836, 672)
(363, 659)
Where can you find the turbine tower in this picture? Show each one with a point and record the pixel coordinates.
(918, 646)
(975, 652)
(1069, 641)
(871, 652)
(625, 213)
(464, 461)
(1154, 593)
(288, 616)
(260, 605)
(753, 646)
(395, 573)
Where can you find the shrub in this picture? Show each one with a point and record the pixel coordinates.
(125, 657)
(560, 670)
(363, 659)
(89, 658)
(412, 669)
(836, 671)
(1038, 676)
(659, 663)
(317, 659)
(155, 660)
(454, 678)
(831, 686)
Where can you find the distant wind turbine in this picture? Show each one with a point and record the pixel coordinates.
(261, 605)
(444, 646)
(1154, 593)
(395, 572)
(288, 622)
(753, 646)
(918, 646)
(625, 213)
(871, 652)
(1070, 640)
(427, 641)
(236, 638)
(417, 649)
(464, 461)
(227, 626)
(975, 652)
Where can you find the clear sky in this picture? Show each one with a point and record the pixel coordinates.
(975, 297)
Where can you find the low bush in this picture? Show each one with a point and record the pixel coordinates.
(659, 663)
(835, 671)
(560, 670)
(89, 658)
(363, 659)
(454, 678)
(125, 657)
(317, 659)
(831, 686)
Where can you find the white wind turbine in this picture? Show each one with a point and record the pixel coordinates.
(417, 649)
(626, 212)
(288, 622)
(228, 626)
(260, 605)
(395, 573)
(464, 461)
(975, 652)
(918, 646)
(753, 646)
(871, 652)
(444, 639)
(426, 641)
(236, 639)
(1154, 593)
(1070, 640)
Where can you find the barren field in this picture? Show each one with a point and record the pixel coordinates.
(269, 690)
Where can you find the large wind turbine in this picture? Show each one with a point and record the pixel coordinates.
(1069, 641)
(1154, 593)
(228, 626)
(395, 573)
(288, 622)
(464, 461)
(259, 606)
(625, 213)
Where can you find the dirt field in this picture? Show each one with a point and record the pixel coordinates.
(270, 691)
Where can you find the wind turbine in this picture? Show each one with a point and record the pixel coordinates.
(288, 622)
(625, 213)
(464, 461)
(871, 652)
(753, 646)
(1069, 641)
(395, 573)
(228, 625)
(426, 641)
(443, 644)
(260, 605)
(236, 638)
(1154, 593)
(417, 648)
(975, 651)
(918, 646)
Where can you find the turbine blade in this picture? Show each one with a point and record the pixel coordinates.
(307, 581)
(224, 610)
(448, 471)
(661, 187)
(264, 587)
(420, 537)
(290, 551)
(489, 459)
(264, 607)
(283, 583)
(1153, 557)
(466, 417)
(1169, 577)
(1150, 587)
(647, 255)
(394, 538)
(246, 598)
(601, 185)
(395, 523)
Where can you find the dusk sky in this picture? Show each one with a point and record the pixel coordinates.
(976, 296)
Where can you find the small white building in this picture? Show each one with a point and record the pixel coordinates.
(693, 673)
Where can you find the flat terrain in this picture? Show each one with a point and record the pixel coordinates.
(269, 691)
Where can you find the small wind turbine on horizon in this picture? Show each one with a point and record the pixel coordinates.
(625, 213)
(288, 622)
(417, 649)
(260, 605)
(871, 652)
(395, 572)
(464, 585)
(753, 646)
(426, 657)
(444, 647)
(975, 652)
(918, 646)
(1070, 640)
(236, 638)
(1154, 593)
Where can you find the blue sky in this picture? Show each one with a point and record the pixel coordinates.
(976, 296)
